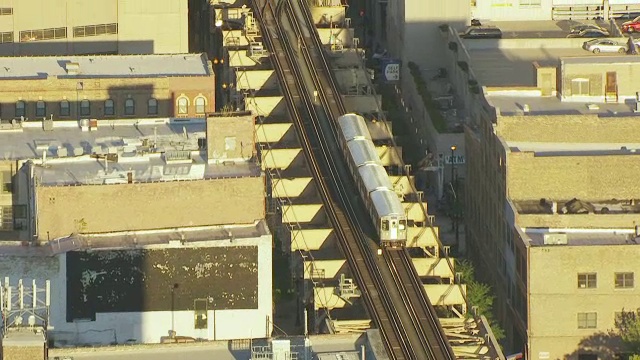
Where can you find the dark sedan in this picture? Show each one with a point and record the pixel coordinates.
(591, 33)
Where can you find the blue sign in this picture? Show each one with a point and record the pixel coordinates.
(391, 70)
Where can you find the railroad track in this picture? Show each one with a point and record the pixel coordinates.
(313, 109)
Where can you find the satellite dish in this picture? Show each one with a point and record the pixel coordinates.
(32, 320)
(18, 320)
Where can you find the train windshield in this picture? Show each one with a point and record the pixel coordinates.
(402, 224)
(385, 225)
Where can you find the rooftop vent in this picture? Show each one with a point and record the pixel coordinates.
(555, 239)
(72, 68)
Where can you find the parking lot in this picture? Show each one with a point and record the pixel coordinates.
(543, 29)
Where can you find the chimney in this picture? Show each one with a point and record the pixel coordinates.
(72, 68)
(129, 177)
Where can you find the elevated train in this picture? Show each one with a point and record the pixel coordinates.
(375, 188)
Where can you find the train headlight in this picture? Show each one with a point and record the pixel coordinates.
(379, 251)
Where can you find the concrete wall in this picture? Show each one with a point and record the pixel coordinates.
(528, 43)
(63, 210)
(604, 177)
(510, 10)
(144, 27)
(597, 75)
(555, 298)
(586, 129)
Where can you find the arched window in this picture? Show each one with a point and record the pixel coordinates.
(85, 108)
(129, 107)
(152, 106)
(201, 102)
(65, 109)
(183, 106)
(109, 107)
(20, 108)
(41, 109)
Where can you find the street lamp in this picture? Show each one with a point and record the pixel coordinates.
(456, 205)
(453, 152)
(173, 288)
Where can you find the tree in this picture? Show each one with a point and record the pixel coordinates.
(479, 295)
(628, 325)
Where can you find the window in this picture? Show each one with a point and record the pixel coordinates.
(385, 225)
(109, 107)
(580, 87)
(6, 218)
(587, 281)
(43, 34)
(5, 176)
(200, 104)
(95, 30)
(200, 320)
(530, 3)
(20, 107)
(6, 37)
(183, 106)
(85, 108)
(65, 109)
(129, 107)
(152, 106)
(402, 224)
(587, 320)
(6, 11)
(624, 280)
(41, 109)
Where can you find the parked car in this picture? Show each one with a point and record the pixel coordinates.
(591, 33)
(631, 26)
(482, 32)
(604, 45)
(582, 27)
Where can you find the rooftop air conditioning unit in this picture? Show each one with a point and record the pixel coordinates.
(555, 239)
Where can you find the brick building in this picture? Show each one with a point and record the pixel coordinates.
(106, 87)
(551, 220)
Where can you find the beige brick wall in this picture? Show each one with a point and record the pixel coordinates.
(575, 128)
(556, 300)
(105, 208)
(565, 177)
(23, 353)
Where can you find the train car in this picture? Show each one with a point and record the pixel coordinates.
(385, 208)
(391, 219)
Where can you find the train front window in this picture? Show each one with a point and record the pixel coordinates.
(402, 224)
(385, 225)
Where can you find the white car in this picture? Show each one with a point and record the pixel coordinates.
(604, 45)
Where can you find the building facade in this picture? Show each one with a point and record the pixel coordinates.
(106, 87)
(535, 247)
(65, 27)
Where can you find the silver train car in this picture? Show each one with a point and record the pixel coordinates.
(374, 186)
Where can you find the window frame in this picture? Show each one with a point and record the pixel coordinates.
(585, 320)
(624, 280)
(530, 3)
(6, 37)
(129, 107)
(85, 110)
(588, 280)
(41, 108)
(200, 103)
(582, 83)
(109, 104)
(62, 108)
(43, 34)
(182, 102)
(152, 106)
(20, 109)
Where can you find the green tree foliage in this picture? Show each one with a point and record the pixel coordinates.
(479, 295)
(628, 325)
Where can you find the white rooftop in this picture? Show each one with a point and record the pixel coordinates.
(580, 237)
(28, 140)
(104, 66)
(514, 105)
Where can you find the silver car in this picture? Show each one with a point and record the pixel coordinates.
(604, 45)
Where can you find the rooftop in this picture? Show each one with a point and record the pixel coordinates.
(513, 105)
(101, 66)
(566, 148)
(28, 140)
(577, 206)
(569, 237)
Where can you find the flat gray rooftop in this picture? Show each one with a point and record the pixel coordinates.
(101, 66)
(30, 140)
(513, 105)
(514, 67)
(603, 238)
